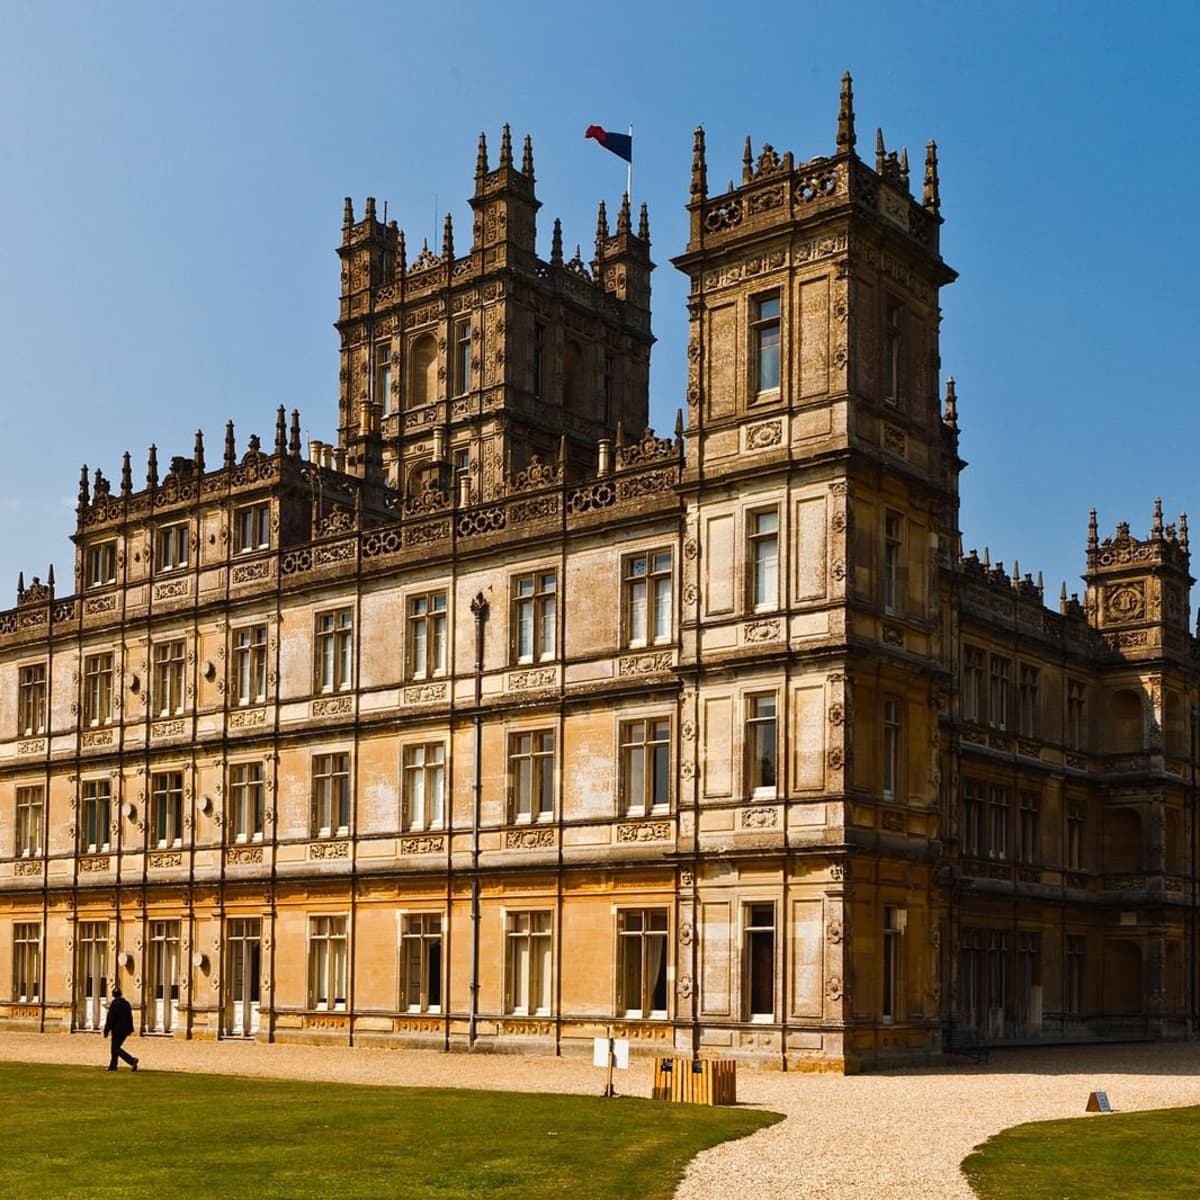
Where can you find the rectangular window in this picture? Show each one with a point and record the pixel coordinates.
(535, 609)
(539, 359)
(169, 659)
(765, 331)
(893, 526)
(972, 684)
(894, 920)
(1028, 844)
(1075, 818)
(974, 810)
(531, 775)
(758, 968)
(764, 560)
(31, 700)
(424, 786)
(760, 743)
(327, 941)
(250, 665)
(528, 951)
(642, 970)
(1076, 962)
(335, 650)
(95, 813)
(245, 822)
(91, 975)
(251, 528)
(427, 635)
(998, 823)
(421, 962)
(330, 794)
(997, 982)
(27, 962)
(891, 749)
(383, 377)
(31, 820)
(166, 797)
(1076, 723)
(1029, 701)
(645, 766)
(972, 972)
(462, 357)
(647, 586)
(172, 547)
(100, 564)
(891, 354)
(162, 976)
(998, 700)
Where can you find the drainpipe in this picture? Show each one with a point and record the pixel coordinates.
(479, 609)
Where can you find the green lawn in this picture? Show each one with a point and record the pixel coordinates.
(81, 1132)
(1133, 1156)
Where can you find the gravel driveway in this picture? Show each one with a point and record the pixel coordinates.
(867, 1137)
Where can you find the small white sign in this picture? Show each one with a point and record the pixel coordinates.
(618, 1047)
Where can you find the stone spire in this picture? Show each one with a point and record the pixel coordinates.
(1156, 528)
(904, 167)
(481, 161)
(448, 239)
(747, 162)
(230, 446)
(126, 475)
(527, 157)
(294, 435)
(601, 223)
(84, 493)
(198, 452)
(699, 168)
(931, 199)
(556, 256)
(506, 148)
(152, 467)
(950, 416)
(644, 223)
(845, 130)
(624, 218)
(880, 151)
(347, 219)
(281, 431)
(1093, 542)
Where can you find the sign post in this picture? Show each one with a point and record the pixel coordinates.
(609, 1052)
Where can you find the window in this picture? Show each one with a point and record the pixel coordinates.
(1075, 818)
(27, 962)
(172, 547)
(1028, 847)
(1073, 992)
(891, 354)
(327, 963)
(528, 947)
(974, 808)
(166, 796)
(1029, 702)
(894, 921)
(91, 974)
(245, 822)
(893, 525)
(427, 635)
(971, 977)
(998, 823)
(764, 560)
(998, 706)
(335, 650)
(97, 689)
(462, 357)
(100, 564)
(642, 970)
(647, 584)
(1076, 725)
(645, 766)
(250, 665)
(95, 805)
(891, 749)
(31, 808)
(421, 962)
(765, 332)
(531, 775)
(168, 677)
(331, 794)
(251, 528)
(534, 617)
(539, 360)
(424, 786)
(972, 684)
(760, 742)
(383, 377)
(31, 700)
(462, 461)
(759, 964)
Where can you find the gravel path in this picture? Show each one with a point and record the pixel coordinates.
(867, 1137)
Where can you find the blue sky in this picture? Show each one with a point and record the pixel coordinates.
(174, 174)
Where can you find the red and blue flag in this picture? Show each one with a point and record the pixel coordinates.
(621, 144)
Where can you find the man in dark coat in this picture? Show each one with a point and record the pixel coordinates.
(119, 1025)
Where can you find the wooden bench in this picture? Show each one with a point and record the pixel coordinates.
(967, 1042)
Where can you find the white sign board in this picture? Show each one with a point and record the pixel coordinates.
(619, 1050)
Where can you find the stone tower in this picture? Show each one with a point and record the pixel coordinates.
(465, 369)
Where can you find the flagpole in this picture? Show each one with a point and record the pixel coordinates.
(629, 168)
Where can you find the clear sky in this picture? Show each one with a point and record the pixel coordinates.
(173, 177)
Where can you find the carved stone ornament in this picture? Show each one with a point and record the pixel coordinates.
(837, 714)
(1125, 602)
(759, 437)
(833, 932)
(686, 933)
(685, 987)
(833, 989)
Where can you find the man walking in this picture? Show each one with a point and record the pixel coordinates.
(119, 1025)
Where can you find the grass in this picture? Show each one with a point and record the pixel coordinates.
(77, 1132)
(1136, 1156)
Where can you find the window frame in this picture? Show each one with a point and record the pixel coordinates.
(32, 690)
(973, 664)
(895, 921)
(893, 562)
(332, 798)
(332, 932)
(648, 738)
(97, 682)
(29, 820)
(1029, 700)
(96, 795)
(538, 975)
(541, 754)
(165, 828)
(639, 931)
(249, 661)
(762, 559)
(246, 808)
(27, 962)
(540, 602)
(384, 375)
(172, 547)
(428, 630)
(756, 763)
(650, 592)
(100, 564)
(752, 927)
(432, 807)
(999, 691)
(333, 650)
(462, 356)
(893, 741)
(252, 527)
(169, 664)
(766, 346)
(417, 937)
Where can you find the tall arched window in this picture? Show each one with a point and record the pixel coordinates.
(422, 388)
